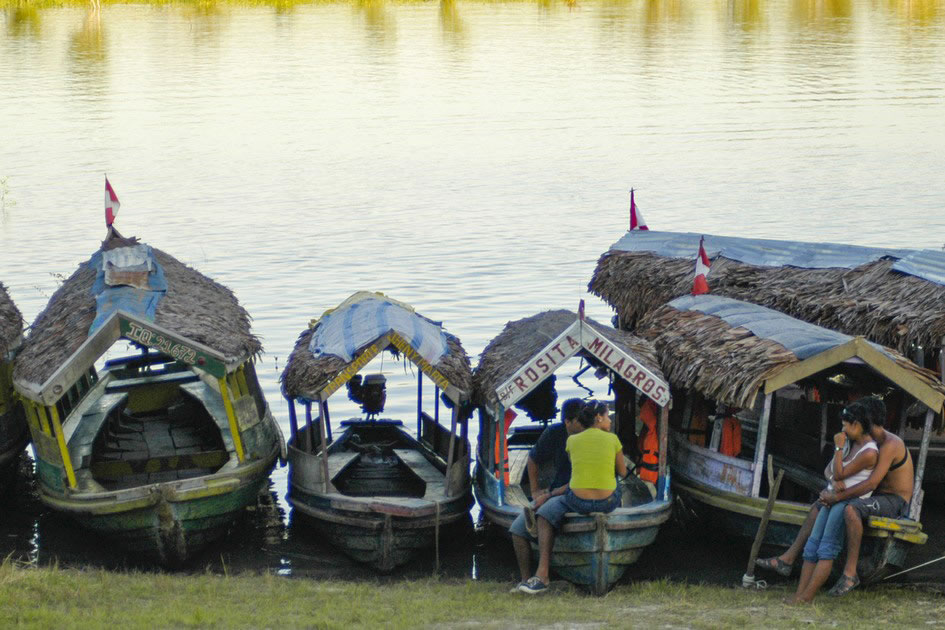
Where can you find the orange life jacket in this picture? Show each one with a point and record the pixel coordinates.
(650, 466)
(698, 424)
(731, 443)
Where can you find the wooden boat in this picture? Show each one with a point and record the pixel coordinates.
(594, 550)
(14, 435)
(376, 491)
(788, 380)
(890, 296)
(159, 451)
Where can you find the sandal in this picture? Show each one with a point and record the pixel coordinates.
(844, 585)
(775, 564)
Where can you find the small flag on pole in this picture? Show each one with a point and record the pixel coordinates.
(636, 217)
(111, 203)
(699, 284)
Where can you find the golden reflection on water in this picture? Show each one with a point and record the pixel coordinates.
(22, 19)
(451, 23)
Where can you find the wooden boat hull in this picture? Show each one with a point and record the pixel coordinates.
(382, 531)
(168, 523)
(882, 550)
(593, 551)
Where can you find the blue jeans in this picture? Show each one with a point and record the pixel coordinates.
(826, 539)
(554, 509)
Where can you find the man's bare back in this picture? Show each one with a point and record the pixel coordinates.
(900, 480)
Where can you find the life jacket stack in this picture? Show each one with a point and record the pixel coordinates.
(649, 468)
(731, 442)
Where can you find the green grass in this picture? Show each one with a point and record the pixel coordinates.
(51, 597)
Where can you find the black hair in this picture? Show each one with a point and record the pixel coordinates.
(571, 409)
(865, 412)
(592, 409)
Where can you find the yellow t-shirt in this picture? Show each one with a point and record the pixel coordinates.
(593, 454)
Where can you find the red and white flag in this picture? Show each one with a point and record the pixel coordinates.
(636, 217)
(111, 203)
(700, 285)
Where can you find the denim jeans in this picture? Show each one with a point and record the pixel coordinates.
(554, 509)
(826, 539)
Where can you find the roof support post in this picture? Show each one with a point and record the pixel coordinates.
(915, 506)
(324, 440)
(63, 449)
(309, 448)
(419, 404)
(449, 454)
(664, 433)
(760, 441)
(293, 420)
(231, 416)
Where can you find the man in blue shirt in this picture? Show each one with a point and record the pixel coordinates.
(548, 455)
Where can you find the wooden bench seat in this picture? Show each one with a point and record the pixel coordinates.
(434, 479)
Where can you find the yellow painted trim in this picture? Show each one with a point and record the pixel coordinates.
(31, 418)
(241, 380)
(859, 347)
(231, 416)
(817, 363)
(63, 450)
(43, 420)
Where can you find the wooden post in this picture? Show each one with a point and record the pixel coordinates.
(915, 506)
(321, 430)
(664, 430)
(327, 421)
(419, 405)
(760, 441)
(308, 427)
(449, 455)
(63, 449)
(231, 415)
(436, 403)
(293, 420)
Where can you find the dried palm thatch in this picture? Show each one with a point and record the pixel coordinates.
(873, 300)
(194, 306)
(704, 353)
(11, 322)
(521, 340)
(305, 375)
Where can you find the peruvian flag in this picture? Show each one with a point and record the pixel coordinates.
(699, 285)
(636, 218)
(111, 203)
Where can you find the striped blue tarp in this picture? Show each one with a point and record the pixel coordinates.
(803, 339)
(927, 264)
(344, 331)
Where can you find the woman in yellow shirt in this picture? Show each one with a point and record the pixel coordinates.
(596, 459)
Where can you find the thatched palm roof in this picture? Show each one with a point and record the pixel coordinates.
(729, 363)
(305, 375)
(520, 340)
(11, 322)
(194, 307)
(873, 299)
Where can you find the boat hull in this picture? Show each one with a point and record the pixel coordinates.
(382, 531)
(592, 551)
(735, 515)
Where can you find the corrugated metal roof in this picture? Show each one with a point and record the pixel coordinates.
(803, 339)
(927, 264)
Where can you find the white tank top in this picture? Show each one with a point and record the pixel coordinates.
(856, 478)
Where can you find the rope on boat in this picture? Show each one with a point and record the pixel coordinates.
(437, 536)
(918, 566)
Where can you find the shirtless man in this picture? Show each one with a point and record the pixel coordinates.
(891, 481)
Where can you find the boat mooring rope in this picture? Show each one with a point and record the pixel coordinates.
(437, 536)
(918, 566)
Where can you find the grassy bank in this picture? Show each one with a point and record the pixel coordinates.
(91, 599)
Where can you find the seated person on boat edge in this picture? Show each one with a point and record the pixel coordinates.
(892, 479)
(596, 459)
(826, 538)
(549, 453)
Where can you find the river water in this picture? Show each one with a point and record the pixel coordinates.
(470, 158)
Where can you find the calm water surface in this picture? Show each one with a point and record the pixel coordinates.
(471, 158)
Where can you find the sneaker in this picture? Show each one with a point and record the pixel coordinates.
(517, 588)
(531, 524)
(533, 586)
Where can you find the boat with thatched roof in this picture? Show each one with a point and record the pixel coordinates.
(890, 296)
(782, 382)
(161, 450)
(517, 370)
(13, 432)
(376, 491)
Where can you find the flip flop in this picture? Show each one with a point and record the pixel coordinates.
(775, 564)
(844, 585)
